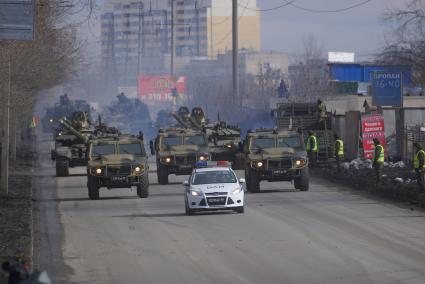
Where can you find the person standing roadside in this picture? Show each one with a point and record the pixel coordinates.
(312, 148)
(419, 165)
(378, 158)
(338, 151)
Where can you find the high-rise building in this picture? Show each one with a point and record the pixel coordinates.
(136, 35)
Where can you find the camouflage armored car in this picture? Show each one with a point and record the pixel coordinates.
(177, 150)
(117, 162)
(275, 155)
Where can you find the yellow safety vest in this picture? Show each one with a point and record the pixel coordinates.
(340, 150)
(308, 148)
(416, 159)
(381, 157)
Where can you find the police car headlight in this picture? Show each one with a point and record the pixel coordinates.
(237, 190)
(98, 171)
(195, 193)
(300, 162)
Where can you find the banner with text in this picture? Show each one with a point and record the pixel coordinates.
(154, 89)
(373, 126)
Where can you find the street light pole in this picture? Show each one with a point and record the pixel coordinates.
(5, 144)
(235, 49)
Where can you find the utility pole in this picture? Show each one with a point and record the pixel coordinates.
(235, 50)
(5, 143)
(173, 38)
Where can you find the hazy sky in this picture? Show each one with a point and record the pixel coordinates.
(361, 30)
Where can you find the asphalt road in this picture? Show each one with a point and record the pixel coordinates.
(330, 234)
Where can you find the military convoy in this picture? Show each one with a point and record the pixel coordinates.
(275, 155)
(114, 160)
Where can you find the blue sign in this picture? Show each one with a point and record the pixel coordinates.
(17, 19)
(387, 89)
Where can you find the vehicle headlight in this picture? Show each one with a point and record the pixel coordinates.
(300, 162)
(203, 157)
(98, 171)
(229, 146)
(257, 164)
(195, 193)
(237, 190)
(167, 160)
(138, 169)
(50, 120)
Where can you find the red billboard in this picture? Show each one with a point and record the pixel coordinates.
(373, 126)
(160, 88)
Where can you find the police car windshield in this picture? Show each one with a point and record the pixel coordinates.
(210, 177)
(101, 150)
(289, 141)
(263, 142)
(132, 149)
(195, 140)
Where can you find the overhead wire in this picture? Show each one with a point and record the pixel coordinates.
(330, 11)
(287, 3)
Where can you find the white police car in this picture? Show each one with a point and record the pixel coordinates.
(213, 187)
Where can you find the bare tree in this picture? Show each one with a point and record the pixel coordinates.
(406, 43)
(309, 78)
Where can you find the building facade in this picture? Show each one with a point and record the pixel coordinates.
(136, 35)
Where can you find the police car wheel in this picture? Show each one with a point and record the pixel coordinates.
(188, 211)
(303, 180)
(240, 210)
(62, 168)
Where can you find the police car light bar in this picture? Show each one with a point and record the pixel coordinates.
(210, 164)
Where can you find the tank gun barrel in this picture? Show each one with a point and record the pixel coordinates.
(179, 120)
(71, 129)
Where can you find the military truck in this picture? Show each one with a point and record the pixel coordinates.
(306, 117)
(275, 155)
(117, 162)
(177, 150)
(223, 139)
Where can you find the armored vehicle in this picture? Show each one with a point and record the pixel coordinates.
(275, 155)
(223, 139)
(306, 117)
(177, 150)
(117, 162)
(65, 108)
(72, 138)
(70, 143)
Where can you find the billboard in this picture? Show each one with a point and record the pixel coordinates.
(17, 19)
(387, 89)
(161, 88)
(373, 126)
(341, 57)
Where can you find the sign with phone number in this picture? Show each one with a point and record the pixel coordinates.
(373, 126)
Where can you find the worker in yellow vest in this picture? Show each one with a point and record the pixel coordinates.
(419, 165)
(378, 158)
(338, 151)
(312, 148)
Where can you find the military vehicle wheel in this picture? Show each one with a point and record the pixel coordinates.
(93, 189)
(252, 181)
(302, 182)
(62, 168)
(143, 187)
(162, 173)
(240, 210)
